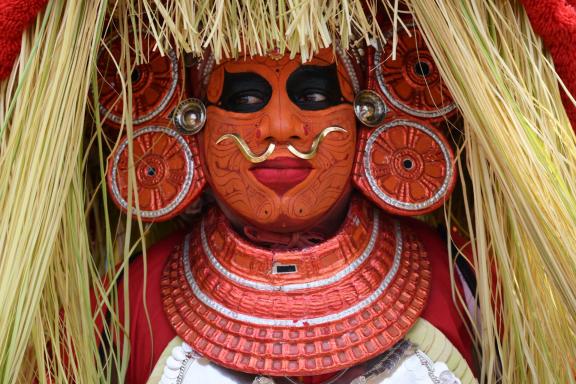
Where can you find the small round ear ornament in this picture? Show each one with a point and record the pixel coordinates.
(404, 163)
(369, 108)
(190, 116)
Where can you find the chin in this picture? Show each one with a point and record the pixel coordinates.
(296, 214)
(288, 224)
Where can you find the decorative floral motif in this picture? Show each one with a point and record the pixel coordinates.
(408, 168)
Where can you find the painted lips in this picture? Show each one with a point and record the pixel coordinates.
(281, 174)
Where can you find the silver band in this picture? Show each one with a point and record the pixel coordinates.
(293, 287)
(349, 67)
(293, 323)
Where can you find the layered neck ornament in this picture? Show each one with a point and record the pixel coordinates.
(310, 311)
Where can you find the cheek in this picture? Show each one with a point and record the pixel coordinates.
(336, 156)
(335, 163)
(337, 149)
(220, 122)
(221, 161)
(327, 185)
(218, 125)
(332, 174)
(228, 172)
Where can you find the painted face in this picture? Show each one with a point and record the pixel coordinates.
(281, 109)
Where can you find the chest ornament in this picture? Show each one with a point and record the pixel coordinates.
(311, 311)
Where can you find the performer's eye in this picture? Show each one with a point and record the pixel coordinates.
(314, 87)
(247, 98)
(312, 97)
(244, 92)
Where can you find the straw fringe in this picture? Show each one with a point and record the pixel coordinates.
(521, 160)
(234, 28)
(45, 260)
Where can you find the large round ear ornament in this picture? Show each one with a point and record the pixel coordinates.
(405, 167)
(167, 171)
(156, 84)
(411, 84)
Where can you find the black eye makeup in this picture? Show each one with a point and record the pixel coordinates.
(313, 87)
(244, 92)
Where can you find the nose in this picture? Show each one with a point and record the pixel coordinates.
(282, 123)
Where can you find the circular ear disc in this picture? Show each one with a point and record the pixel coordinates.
(190, 116)
(154, 83)
(369, 108)
(407, 168)
(412, 83)
(168, 177)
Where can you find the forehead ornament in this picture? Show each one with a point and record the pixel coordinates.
(275, 54)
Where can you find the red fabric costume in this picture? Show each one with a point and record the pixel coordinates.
(15, 16)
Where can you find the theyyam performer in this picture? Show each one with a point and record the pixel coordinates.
(312, 192)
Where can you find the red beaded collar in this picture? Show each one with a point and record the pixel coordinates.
(301, 312)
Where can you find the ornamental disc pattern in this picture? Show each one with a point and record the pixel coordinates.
(164, 169)
(154, 82)
(409, 166)
(412, 83)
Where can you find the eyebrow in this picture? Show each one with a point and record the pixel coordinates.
(316, 70)
(314, 76)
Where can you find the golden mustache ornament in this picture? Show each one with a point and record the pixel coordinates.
(255, 159)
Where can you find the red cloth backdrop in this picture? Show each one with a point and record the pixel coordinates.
(15, 16)
(555, 22)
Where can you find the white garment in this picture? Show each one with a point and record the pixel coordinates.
(185, 367)
(416, 369)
